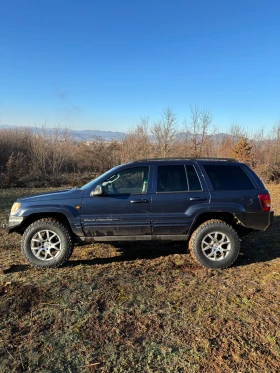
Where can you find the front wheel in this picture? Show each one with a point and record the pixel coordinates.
(47, 243)
(215, 244)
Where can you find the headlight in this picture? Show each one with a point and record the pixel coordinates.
(15, 208)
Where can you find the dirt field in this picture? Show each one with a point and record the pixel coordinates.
(141, 308)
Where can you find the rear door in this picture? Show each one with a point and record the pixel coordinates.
(178, 196)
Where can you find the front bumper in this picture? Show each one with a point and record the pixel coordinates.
(14, 222)
(260, 221)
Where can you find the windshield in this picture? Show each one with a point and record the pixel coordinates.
(95, 181)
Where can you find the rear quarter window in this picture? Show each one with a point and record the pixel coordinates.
(228, 177)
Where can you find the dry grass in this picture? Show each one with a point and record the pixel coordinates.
(141, 308)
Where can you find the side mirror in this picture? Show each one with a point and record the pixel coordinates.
(98, 191)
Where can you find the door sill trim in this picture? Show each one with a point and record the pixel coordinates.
(161, 237)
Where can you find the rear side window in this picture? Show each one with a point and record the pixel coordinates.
(228, 177)
(172, 179)
(177, 178)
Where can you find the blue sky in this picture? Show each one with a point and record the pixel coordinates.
(105, 64)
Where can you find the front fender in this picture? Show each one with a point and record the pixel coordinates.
(69, 211)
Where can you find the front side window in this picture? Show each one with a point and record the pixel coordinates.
(130, 181)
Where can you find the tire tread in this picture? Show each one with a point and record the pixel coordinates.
(194, 237)
(57, 224)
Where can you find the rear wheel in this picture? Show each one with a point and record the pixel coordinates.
(215, 244)
(47, 243)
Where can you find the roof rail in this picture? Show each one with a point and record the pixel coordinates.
(186, 158)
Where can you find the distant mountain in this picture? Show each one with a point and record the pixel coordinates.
(90, 135)
(82, 135)
(3, 126)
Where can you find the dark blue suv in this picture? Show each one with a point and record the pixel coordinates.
(210, 203)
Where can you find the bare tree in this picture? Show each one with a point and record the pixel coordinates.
(198, 136)
(259, 144)
(273, 151)
(276, 144)
(164, 133)
(52, 153)
(137, 144)
(227, 141)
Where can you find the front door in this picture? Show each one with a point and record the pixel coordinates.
(124, 207)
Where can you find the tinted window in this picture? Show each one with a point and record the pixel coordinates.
(194, 183)
(228, 177)
(172, 179)
(129, 181)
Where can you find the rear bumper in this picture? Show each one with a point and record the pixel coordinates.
(260, 221)
(14, 223)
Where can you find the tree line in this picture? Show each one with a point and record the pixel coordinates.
(53, 158)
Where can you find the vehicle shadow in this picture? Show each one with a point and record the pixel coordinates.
(16, 268)
(132, 251)
(260, 247)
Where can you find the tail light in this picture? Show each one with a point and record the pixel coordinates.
(265, 201)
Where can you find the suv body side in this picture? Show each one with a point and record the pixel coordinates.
(150, 214)
(170, 215)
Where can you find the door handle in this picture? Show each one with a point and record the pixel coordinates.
(139, 201)
(198, 199)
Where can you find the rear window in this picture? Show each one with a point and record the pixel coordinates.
(228, 177)
(177, 178)
(172, 179)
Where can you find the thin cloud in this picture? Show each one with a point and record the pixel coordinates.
(63, 97)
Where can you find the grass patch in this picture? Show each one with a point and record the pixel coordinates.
(140, 307)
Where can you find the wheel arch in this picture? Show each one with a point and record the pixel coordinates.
(227, 217)
(58, 216)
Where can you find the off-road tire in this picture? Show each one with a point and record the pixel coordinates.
(210, 227)
(60, 230)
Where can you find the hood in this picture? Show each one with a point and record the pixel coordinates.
(51, 196)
